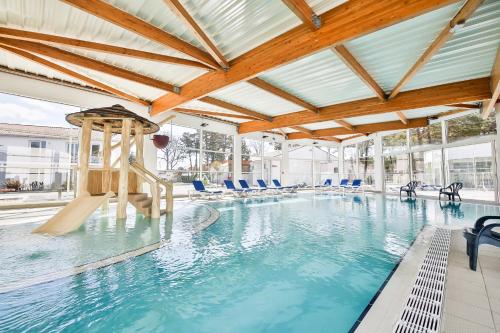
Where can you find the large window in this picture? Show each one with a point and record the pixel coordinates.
(366, 162)
(426, 166)
(430, 135)
(272, 160)
(350, 162)
(251, 160)
(300, 164)
(180, 160)
(326, 164)
(473, 166)
(394, 143)
(470, 126)
(217, 157)
(397, 171)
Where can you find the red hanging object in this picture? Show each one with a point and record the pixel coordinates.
(160, 141)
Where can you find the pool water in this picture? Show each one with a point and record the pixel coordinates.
(293, 264)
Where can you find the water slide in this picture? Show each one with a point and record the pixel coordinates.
(73, 215)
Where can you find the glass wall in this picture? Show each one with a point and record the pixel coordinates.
(470, 126)
(366, 162)
(396, 170)
(193, 154)
(326, 164)
(180, 160)
(466, 156)
(427, 168)
(272, 155)
(251, 160)
(300, 163)
(217, 160)
(350, 160)
(472, 165)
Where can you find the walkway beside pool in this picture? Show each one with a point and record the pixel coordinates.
(472, 299)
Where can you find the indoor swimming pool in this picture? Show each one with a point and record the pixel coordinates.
(268, 264)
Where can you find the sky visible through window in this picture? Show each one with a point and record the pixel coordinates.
(29, 111)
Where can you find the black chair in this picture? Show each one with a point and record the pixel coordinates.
(409, 188)
(481, 234)
(451, 191)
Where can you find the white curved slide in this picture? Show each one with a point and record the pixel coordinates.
(73, 215)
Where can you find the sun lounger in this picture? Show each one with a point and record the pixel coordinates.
(238, 192)
(481, 234)
(326, 185)
(291, 189)
(204, 193)
(355, 186)
(245, 186)
(344, 183)
(263, 185)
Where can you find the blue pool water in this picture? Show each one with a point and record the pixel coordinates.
(300, 264)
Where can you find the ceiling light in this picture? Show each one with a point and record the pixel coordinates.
(457, 26)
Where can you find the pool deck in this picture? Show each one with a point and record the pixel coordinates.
(472, 299)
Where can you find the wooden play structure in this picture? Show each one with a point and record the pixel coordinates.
(95, 186)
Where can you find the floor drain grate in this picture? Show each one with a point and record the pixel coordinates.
(423, 308)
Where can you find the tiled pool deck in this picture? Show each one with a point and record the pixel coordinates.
(472, 299)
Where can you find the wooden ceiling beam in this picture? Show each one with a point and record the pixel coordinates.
(363, 129)
(302, 129)
(304, 12)
(458, 20)
(202, 37)
(351, 62)
(489, 105)
(100, 47)
(345, 124)
(345, 22)
(465, 106)
(452, 93)
(354, 136)
(235, 108)
(76, 59)
(213, 114)
(73, 74)
(402, 117)
(134, 24)
(283, 94)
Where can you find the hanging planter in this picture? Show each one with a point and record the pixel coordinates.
(160, 141)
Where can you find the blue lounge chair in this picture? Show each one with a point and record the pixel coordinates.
(326, 186)
(245, 186)
(263, 186)
(327, 183)
(200, 188)
(481, 234)
(235, 191)
(342, 185)
(355, 186)
(292, 188)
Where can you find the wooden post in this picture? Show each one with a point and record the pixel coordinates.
(139, 150)
(121, 209)
(155, 205)
(169, 197)
(106, 159)
(106, 162)
(83, 174)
